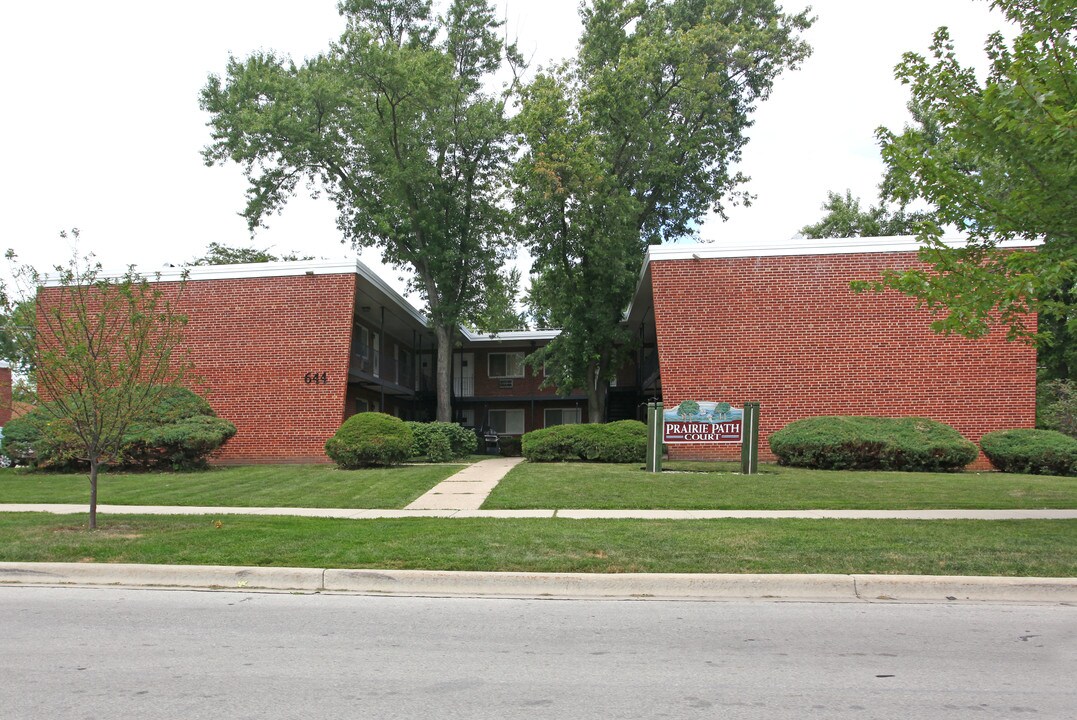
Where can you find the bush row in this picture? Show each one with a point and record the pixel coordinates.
(441, 441)
(623, 441)
(1040, 452)
(177, 433)
(871, 443)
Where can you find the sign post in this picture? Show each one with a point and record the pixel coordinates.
(749, 449)
(655, 432)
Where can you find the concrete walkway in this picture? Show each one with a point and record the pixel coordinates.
(467, 489)
(459, 498)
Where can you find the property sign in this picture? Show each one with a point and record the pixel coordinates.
(696, 421)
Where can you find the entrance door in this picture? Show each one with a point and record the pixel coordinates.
(463, 383)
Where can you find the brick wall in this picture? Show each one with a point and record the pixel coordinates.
(5, 395)
(486, 386)
(251, 341)
(788, 332)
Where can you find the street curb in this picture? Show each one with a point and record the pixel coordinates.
(659, 586)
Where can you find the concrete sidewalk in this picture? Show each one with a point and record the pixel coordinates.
(467, 489)
(413, 512)
(594, 586)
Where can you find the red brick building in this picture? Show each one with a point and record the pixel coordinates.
(779, 325)
(287, 351)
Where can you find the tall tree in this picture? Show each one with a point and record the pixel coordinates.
(997, 159)
(104, 352)
(845, 218)
(396, 125)
(631, 144)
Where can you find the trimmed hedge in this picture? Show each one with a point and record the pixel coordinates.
(458, 440)
(178, 432)
(624, 441)
(872, 443)
(1039, 452)
(370, 438)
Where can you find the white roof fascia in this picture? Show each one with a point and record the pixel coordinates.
(509, 335)
(805, 246)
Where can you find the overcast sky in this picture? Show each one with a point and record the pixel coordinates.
(101, 128)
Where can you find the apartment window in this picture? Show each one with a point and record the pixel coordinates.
(561, 416)
(506, 365)
(506, 422)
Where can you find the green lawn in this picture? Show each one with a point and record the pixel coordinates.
(600, 486)
(245, 486)
(1019, 548)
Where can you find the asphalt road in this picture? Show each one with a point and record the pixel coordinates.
(110, 653)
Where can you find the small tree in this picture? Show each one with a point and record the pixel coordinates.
(106, 349)
(688, 408)
(722, 409)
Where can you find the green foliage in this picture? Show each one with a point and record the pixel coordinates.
(994, 159)
(395, 123)
(510, 445)
(218, 254)
(177, 433)
(438, 449)
(631, 144)
(871, 443)
(368, 439)
(1039, 452)
(458, 441)
(618, 442)
(844, 218)
(18, 320)
(104, 351)
(688, 408)
(1057, 406)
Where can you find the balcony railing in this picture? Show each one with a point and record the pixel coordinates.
(384, 366)
(463, 387)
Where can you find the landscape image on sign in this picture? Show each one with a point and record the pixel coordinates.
(693, 421)
(703, 412)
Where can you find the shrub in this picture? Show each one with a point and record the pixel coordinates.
(461, 441)
(1040, 452)
(622, 441)
(370, 438)
(510, 445)
(871, 443)
(438, 448)
(177, 433)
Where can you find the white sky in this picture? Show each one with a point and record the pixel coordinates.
(101, 128)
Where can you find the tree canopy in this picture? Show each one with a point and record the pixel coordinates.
(104, 351)
(845, 218)
(220, 254)
(996, 159)
(630, 144)
(396, 124)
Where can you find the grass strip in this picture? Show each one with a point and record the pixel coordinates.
(312, 486)
(942, 547)
(627, 487)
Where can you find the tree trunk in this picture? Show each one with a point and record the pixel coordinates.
(597, 392)
(93, 493)
(443, 380)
